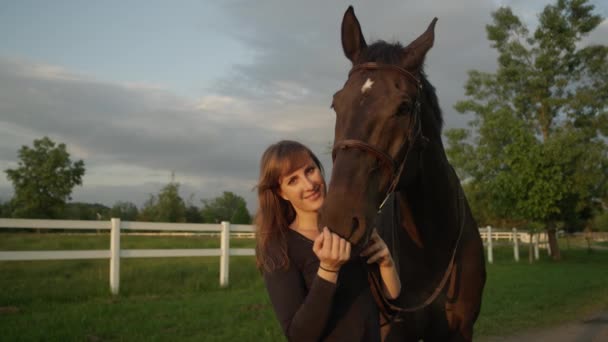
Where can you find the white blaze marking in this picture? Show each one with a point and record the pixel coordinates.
(367, 86)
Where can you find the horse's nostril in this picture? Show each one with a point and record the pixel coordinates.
(354, 225)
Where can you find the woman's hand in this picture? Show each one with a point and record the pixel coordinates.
(377, 251)
(332, 250)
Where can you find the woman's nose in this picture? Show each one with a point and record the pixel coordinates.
(309, 183)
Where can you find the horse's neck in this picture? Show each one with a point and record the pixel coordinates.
(407, 221)
(429, 205)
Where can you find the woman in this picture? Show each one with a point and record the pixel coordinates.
(317, 290)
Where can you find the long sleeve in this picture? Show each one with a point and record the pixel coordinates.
(303, 315)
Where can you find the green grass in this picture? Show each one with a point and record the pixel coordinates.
(521, 296)
(180, 298)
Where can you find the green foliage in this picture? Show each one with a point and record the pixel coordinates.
(86, 211)
(193, 214)
(43, 180)
(537, 149)
(148, 211)
(126, 211)
(171, 207)
(5, 209)
(600, 222)
(228, 207)
(167, 206)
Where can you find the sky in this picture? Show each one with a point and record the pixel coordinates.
(141, 90)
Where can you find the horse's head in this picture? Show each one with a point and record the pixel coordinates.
(378, 123)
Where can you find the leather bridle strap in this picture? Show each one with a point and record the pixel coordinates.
(386, 160)
(377, 66)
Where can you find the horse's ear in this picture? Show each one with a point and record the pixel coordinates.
(352, 38)
(413, 54)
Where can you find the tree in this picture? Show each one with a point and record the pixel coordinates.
(125, 211)
(5, 209)
(228, 207)
(44, 179)
(168, 206)
(600, 222)
(538, 151)
(148, 211)
(193, 213)
(85, 211)
(171, 207)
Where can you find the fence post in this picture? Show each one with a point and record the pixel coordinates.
(225, 253)
(490, 252)
(115, 256)
(515, 244)
(536, 238)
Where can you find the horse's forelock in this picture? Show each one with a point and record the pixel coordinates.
(392, 53)
(383, 52)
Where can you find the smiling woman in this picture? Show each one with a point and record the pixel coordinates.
(301, 264)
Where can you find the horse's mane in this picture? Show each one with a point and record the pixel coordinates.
(392, 53)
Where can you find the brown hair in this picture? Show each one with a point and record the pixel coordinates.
(275, 213)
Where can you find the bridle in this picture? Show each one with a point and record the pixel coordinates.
(394, 168)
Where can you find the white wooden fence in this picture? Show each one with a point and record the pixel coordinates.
(225, 230)
(116, 226)
(489, 235)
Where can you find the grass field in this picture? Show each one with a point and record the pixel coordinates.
(180, 298)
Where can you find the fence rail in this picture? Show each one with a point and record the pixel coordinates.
(115, 253)
(224, 230)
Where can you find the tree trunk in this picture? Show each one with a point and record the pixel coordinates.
(552, 234)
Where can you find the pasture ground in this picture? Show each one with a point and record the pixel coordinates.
(180, 298)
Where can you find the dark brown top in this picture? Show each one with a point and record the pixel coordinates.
(310, 308)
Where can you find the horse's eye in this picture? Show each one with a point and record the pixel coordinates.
(404, 108)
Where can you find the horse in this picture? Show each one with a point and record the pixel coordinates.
(390, 173)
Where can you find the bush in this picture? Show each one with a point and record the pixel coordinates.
(600, 222)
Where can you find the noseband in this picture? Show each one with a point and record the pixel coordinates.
(390, 164)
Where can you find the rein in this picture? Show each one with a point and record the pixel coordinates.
(395, 170)
(448, 272)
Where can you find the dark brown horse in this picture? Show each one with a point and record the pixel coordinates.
(388, 155)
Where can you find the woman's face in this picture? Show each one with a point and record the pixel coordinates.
(304, 188)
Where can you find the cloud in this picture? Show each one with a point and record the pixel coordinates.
(302, 48)
(132, 134)
(128, 133)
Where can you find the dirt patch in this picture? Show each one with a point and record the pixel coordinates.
(7, 310)
(591, 329)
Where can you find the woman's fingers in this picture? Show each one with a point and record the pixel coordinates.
(380, 255)
(372, 249)
(375, 235)
(318, 243)
(331, 249)
(335, 246)
(327, 243)
(347, 250)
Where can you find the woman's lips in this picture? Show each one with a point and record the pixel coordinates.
(315, 195)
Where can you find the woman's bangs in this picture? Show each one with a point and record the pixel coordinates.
(294, 161)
